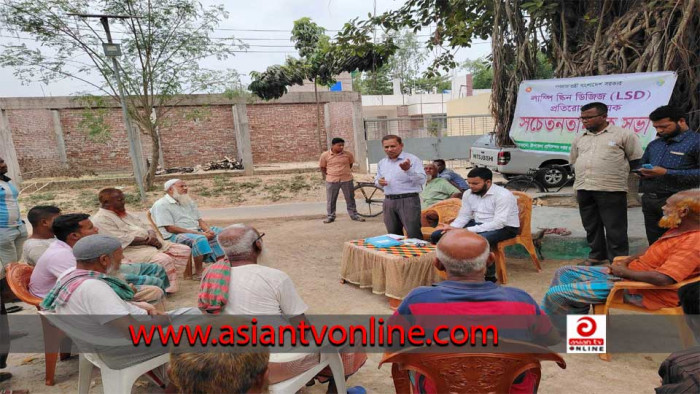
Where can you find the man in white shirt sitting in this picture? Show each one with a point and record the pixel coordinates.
(41, 218)
(258, 290)
(488, 210)
(99, 305)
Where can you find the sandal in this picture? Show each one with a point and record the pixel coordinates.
(563, 231)
(13, 309)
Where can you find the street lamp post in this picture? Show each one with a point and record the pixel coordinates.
(113, 50)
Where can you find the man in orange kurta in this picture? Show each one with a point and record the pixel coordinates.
(673, 258)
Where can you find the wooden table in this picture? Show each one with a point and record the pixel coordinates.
(393, 272)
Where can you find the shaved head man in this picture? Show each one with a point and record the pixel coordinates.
(464, 256)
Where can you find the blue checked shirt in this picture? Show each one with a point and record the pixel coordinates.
(680, 156)
(9, 207)
(454, 177)
(400, 181)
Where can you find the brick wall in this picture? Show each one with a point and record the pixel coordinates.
(197, 135)
(35, 141)
(110, 154)
(191, 135)
(341, 123)
(282, 133)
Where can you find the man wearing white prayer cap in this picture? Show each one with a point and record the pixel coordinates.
(179, 221)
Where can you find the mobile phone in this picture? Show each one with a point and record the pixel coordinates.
(647, 166)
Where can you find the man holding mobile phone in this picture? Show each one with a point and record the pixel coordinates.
(671, 163)
(402, 177)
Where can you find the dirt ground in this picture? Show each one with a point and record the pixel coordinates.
(315, 271)
(221, 191)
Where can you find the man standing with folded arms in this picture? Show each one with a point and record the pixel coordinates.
(402, 176)
(675, 161)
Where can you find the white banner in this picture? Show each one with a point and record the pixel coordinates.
(547, 111)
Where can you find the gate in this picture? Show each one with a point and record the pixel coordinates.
(428, 136)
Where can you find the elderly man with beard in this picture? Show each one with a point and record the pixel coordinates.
(488, 210)
(179, 221)
(675, 257)
(674, 158)
(97, 305)
(436, 188)
(139, 242)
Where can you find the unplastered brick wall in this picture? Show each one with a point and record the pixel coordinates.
(34, 140)
(283, 133)
(190, 135)
(341, 123)
(108, 154)
(197, 135)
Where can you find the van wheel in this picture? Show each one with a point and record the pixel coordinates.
(554, 176)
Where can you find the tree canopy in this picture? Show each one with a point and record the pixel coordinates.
(586, 37)
(321, 59)
(162, 48)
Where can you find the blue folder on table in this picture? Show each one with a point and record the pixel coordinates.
(383, 241)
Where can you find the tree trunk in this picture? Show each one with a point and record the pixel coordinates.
(318, 119)
(150, 176)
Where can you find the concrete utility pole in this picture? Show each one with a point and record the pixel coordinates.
(113, 50)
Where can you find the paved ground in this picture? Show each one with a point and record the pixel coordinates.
(541, 216)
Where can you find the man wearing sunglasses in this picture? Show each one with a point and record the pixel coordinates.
(602, 157)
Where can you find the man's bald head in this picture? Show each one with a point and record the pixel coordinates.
(239, 240)
(462, 252)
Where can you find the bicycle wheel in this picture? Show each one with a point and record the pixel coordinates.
(369, 200)
(524, 184)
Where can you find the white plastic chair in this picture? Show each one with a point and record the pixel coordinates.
(117, 381)
(292, 385)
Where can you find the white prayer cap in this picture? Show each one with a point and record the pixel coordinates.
(94, 246)
(170, 183)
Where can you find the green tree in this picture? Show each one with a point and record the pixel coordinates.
(320, 61)
(407, 61)
(375, 82)
(482, 73)
(162, 47)
(406, 65)
(579, 38)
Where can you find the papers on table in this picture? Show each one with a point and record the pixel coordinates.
(415, 241)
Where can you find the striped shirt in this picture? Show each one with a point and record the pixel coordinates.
(680, 372)
(9, 207)
(521, 314)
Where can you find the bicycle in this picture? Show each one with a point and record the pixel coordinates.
(372, 199)
(524, 183)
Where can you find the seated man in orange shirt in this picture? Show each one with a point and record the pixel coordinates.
(675, 257)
